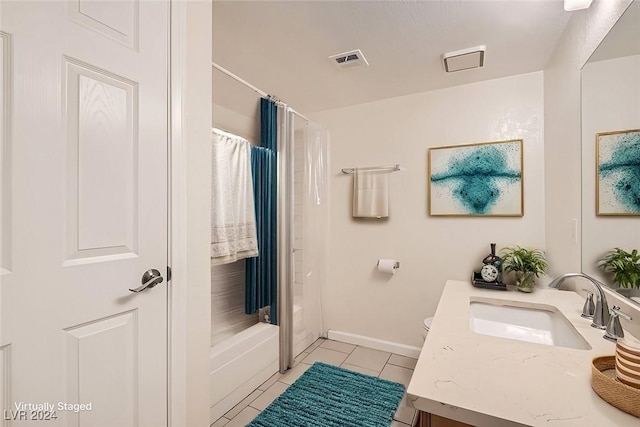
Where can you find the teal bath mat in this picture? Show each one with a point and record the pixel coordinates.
(328, 396)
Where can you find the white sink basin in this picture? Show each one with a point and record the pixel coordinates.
(536, 323)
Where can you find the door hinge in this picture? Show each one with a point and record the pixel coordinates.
(168, 273)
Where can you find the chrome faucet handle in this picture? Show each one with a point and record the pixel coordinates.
(589, 307)
(621, 313)
(614, 329)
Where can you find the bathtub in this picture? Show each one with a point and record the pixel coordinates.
(241, 364)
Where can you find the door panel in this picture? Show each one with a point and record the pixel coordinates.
(101, 162)
(117, 20)
(88, 197)
(101, 368)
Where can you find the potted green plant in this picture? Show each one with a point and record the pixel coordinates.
(527, 264)
(623, 266)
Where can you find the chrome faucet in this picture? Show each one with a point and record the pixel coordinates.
(601, 314)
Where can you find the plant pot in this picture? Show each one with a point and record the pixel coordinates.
(525, 281)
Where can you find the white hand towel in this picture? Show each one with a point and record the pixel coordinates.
(370, 194)
(233, 217)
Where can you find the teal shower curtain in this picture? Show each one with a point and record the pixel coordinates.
(261, 272)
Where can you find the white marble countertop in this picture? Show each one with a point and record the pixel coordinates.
(489, 381)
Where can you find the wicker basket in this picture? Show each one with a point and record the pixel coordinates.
(605, 384)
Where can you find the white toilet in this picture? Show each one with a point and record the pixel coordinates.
(426, 327)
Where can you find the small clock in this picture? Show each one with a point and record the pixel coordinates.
(489, 276)
(489, 273)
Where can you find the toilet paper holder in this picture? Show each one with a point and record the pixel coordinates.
(396, 265)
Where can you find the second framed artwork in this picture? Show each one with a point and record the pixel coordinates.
(484, 179)
(618, 173)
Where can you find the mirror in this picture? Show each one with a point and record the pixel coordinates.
(611, 103)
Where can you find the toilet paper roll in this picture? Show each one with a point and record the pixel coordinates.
(387, 266)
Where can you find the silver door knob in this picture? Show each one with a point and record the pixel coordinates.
(150, 278)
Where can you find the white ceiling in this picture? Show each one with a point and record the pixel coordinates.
(282, 47)
(624, 37)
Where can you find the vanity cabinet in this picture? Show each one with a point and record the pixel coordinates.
(425, 419)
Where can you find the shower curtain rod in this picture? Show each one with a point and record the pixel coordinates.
(255, 89)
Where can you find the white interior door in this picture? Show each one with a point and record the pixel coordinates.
(84, 211)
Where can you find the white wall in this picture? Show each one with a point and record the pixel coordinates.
(431, 250)
(246, 126)
(583, 33)
(191, 154)
(610, 102)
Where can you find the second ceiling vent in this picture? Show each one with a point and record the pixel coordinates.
(350, 59)
(465, 59)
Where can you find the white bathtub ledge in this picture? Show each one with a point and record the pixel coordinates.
(241, 364)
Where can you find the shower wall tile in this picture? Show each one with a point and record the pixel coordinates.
(227, 302)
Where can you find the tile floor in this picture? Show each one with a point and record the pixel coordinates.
(356, 358)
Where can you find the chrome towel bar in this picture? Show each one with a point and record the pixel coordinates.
(393, 168)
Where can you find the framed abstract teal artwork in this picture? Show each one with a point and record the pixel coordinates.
(484, 179)
(618, 173)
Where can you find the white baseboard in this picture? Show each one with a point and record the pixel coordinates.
(391, 347)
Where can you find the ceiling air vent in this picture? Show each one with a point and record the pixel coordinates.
(465, 59)
(351, 59)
